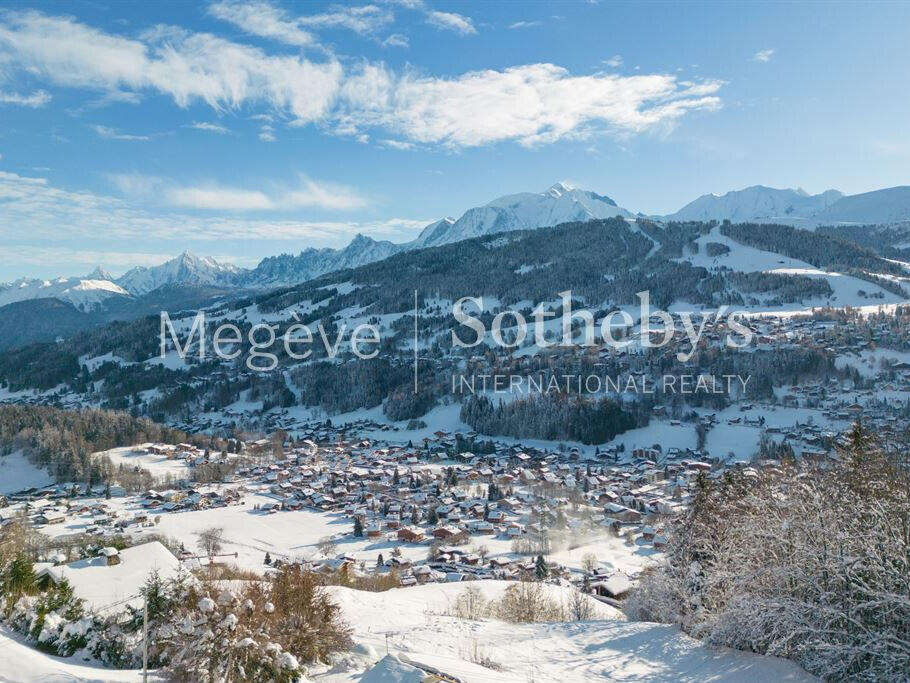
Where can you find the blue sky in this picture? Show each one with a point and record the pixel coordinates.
(133, 131)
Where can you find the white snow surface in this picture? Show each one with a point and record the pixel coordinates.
(86, 293)
(20, 663)
(523, 211)
(17, 473)
(412, 623)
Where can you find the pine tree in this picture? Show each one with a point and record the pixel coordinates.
(541, 568)
(358, 527)
(268, 558)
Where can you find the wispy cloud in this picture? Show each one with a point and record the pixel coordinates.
(36, 99)
(26, 254)
(113, 134)
(263, 19)
(764, 55)
(306, 193)
(398, 144)
(451, 21)
(267, 133)
(209, 127)
(189, 67)
(396, 40)
(614, 62)
(524, 24)
(34, 207)
(531, 104)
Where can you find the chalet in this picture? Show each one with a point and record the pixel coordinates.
(50, 517)
(114, 576)
(446, 532)
(410, 535)
(616, 586)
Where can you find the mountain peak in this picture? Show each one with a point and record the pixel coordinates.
(757, 203)
(99, 274)
(558, 189)
(560, 203)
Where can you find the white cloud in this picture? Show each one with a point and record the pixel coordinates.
(524, 24)
(263, 19)
(532, 104)
(396, 40)
(364, 20)
(210, 127)
(614, 62)
(306, 193)
(33, 207)
(398, 144)
(188, 67)
(136, 184)
(36, 99)
(113, 134)
(218, 198)
(267, 133)
(451, 21)
(26, 254)
(764, 55)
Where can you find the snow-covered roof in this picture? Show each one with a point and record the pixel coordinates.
(390, 669)
(101, 585)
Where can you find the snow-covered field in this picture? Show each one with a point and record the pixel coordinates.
(412, 622)
(17, 473)
(135, 456)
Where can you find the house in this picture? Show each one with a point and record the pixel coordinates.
(445, 532)
(50, 517)
(410, 535)
(616, 586)
(114, 576)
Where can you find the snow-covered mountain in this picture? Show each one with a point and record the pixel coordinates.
(287, 269)
(757, 203)
(526, 210)
(888, 206)
(186, 269)
(86, 293)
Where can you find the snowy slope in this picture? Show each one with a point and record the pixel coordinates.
(527, 210)
(85, 293)
(20, 663)
(756, 203)
(185, 269)
(891, 205)
(411, 622)
(17, 473)
(746, 259)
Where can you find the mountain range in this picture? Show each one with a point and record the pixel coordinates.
(558, 204)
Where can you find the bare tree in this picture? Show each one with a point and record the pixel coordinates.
(589, 562)
(209, 541)
(327, 546)
(580, 607)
